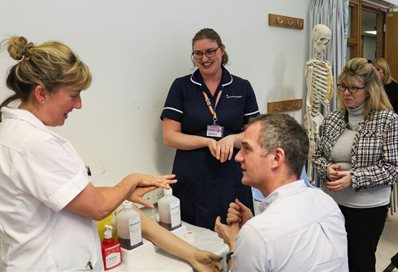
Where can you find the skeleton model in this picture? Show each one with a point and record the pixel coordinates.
(319, 80)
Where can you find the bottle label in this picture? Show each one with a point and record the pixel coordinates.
(175, 214)
(112, 257)
(135, 231)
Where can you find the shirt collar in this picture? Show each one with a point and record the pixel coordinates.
(30, 118)
(286, 190)
(226, 77)
(24, 115)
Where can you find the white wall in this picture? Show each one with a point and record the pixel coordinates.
(136, 48)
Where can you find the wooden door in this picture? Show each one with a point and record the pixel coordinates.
(391, 43)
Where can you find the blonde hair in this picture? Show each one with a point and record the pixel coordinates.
(381, 63)
(359, 68)
(51, 64)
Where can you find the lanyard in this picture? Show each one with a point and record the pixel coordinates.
(210, 106)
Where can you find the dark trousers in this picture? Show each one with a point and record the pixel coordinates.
(364, 227)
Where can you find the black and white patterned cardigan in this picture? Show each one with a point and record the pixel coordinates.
(374, 152)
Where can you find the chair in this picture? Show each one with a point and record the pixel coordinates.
(393, 264)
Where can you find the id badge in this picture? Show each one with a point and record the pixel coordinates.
(215, 131)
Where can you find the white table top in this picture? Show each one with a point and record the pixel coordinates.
(149, 257)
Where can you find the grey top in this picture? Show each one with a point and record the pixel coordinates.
(341, 154)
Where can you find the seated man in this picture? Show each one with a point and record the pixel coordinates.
(300, 227)
(258, 196)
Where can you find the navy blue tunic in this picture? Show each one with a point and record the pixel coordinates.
(206, 186)
(392, 92)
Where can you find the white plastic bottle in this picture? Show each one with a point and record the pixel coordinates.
(128, 223)
(169, 210)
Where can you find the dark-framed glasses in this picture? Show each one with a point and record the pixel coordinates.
(209, 53)
(351, 89)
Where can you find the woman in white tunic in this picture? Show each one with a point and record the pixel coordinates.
(48, 206)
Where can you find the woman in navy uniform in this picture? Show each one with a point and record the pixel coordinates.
(204, 117)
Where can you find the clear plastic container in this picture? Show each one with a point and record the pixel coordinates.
(169, 210)
(128, 223)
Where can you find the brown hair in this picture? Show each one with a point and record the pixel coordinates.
(208, 33)
(51, 64)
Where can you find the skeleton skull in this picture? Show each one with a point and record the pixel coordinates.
(321, 35)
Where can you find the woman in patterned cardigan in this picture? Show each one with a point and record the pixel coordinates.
(357, 158)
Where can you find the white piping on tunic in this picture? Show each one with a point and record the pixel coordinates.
(251, 113)
(173, 109)
(193, 81)
(200, 84)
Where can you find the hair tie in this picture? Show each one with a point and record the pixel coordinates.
(25, 51)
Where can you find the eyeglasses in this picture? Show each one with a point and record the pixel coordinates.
(351, 89)
(209, 53)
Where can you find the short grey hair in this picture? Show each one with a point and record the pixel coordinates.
(279, 130)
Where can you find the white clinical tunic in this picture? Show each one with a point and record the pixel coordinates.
(300, 229)
(40, 173)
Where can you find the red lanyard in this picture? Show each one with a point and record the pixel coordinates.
(210, 106)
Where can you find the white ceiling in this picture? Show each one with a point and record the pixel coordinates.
(394, 2)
